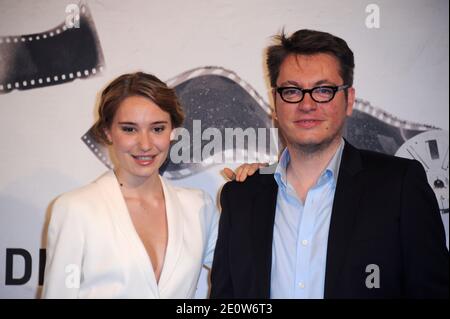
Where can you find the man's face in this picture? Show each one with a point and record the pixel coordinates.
(308, 124)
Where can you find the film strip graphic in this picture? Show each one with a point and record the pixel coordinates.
(98, 149)
(219, 71)
(259, 118)
(365, 107)
(53, 57)
(368, 128)
(210, 73)
(374, 129)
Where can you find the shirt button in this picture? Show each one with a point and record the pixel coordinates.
(304, 242)
(301, 285)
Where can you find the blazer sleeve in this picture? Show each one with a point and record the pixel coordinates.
(65, 242)
(426, 258)
(221, 283)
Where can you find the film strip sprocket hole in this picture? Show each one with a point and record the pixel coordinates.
(53, 57)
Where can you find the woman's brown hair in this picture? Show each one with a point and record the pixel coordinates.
(135, 84)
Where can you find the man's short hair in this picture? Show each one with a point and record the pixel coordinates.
(309, 42)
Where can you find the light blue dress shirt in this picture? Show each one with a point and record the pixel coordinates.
(300, 235)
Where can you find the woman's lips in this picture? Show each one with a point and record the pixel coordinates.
(143, 160)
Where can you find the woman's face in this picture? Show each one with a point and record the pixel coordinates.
(140, 137)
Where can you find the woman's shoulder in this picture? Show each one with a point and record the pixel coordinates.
(83, 203)
(188, 194)
(83, 194)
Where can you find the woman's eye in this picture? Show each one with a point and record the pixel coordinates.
(159, 129)
(128, 129)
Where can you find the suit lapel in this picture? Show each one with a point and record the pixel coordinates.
(263, 217)
(345, 208)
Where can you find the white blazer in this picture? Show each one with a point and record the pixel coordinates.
(94, 251)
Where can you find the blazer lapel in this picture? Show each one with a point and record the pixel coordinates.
(345, 208)
(263, 217)
(174, 210)
(122, 220)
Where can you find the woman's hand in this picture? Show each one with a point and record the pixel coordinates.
(243, 171)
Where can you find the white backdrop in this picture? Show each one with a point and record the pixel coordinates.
(401, 67)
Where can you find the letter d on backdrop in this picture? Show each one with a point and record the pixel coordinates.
(10, 280)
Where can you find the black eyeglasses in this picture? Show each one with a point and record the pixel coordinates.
(320, 94)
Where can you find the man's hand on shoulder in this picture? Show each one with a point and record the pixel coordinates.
(242, 172)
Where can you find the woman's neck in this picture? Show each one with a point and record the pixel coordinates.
(139, 187)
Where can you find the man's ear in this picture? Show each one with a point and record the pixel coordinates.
(274, 110)
(350, 101)
(274, 115)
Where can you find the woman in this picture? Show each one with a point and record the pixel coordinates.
(130, 234)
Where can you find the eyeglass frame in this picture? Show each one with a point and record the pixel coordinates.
(335, 89)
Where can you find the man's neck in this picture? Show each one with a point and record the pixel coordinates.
(305, 167)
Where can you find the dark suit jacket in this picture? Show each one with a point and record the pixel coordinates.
(384, 213)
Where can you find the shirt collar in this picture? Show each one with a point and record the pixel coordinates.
(331, 171)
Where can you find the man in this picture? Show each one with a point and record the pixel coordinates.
(333, 221)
